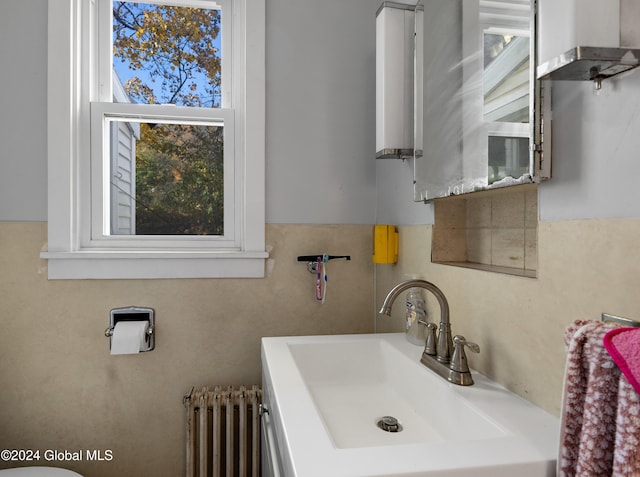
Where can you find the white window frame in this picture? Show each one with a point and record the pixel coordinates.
(74, 251)
(98, 210)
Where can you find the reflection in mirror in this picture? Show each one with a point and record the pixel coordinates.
(508, 157)
(475, 97)
(506, 78)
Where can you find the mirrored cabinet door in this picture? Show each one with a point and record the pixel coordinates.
(475, 96)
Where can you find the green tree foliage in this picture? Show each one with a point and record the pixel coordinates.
(179, 168)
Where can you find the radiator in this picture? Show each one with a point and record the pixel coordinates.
(223, 432)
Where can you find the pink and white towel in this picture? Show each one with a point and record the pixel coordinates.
(600, 430)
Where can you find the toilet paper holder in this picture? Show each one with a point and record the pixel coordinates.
(133, 313)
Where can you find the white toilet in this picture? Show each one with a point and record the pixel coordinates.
(38, 472)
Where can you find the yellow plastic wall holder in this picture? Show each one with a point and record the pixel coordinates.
(385, 244)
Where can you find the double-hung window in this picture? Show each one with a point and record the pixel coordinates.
(156, 138)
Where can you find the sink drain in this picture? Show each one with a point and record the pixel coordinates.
(389, 424)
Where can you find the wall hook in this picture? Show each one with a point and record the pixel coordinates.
(312, 260)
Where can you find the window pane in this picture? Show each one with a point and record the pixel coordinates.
(167, 54)
(166, 179)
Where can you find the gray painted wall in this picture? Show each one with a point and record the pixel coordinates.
(321, 111)
(596, 151)
(23, 110)
(321, 126)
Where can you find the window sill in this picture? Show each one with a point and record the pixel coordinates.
(154, 264)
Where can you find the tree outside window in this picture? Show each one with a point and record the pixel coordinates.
(167, 54)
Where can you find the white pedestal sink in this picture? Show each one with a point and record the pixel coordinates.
(325, 395)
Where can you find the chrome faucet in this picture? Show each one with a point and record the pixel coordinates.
(453, 368)
(444, 345)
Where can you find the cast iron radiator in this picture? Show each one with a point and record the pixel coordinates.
(223, 432)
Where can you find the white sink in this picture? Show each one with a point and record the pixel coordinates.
(354, 383)
(326, 394)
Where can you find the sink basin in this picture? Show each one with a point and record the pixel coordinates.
(355, 383)
(326, 395)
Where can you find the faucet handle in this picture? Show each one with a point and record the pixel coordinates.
(459, 358)
(459, 339)
(430, 344)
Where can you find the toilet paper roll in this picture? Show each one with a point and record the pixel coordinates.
(129, 337)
